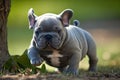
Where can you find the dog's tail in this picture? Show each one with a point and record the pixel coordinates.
(76, 23)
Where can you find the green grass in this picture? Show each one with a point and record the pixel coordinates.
(83, 9)
(18, 39)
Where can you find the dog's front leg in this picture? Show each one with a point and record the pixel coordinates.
(33, 55)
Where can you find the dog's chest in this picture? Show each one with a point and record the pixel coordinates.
(54, 58)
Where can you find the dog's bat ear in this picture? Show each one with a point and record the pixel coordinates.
(66, 16)
(31, 18)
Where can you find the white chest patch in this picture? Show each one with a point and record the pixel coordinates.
(55, 58)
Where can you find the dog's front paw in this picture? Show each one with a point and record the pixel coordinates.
(72, 71)
(92, 69)
(36, 61)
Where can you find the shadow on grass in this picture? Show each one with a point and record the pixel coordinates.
(103, 72)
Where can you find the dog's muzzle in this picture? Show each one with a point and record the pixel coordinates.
(47, 41)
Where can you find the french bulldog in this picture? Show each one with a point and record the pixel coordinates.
(60, 44)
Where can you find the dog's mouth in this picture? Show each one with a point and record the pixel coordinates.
(50, 45)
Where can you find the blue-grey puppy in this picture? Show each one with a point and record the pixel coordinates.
(60, 44)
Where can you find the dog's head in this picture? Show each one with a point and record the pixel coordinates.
(49, 29)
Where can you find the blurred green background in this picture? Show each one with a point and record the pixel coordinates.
(100, 17)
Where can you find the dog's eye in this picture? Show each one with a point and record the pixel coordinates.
(36, 33)
(59, 31)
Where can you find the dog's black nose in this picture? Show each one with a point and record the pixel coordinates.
(48, 37)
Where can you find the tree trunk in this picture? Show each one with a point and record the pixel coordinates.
(4, 11)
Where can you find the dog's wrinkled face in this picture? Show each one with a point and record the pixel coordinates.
(49, 31)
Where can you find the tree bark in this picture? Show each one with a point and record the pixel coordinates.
(4, 11)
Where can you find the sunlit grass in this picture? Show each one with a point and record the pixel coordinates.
(18, 39)
(83, 10)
